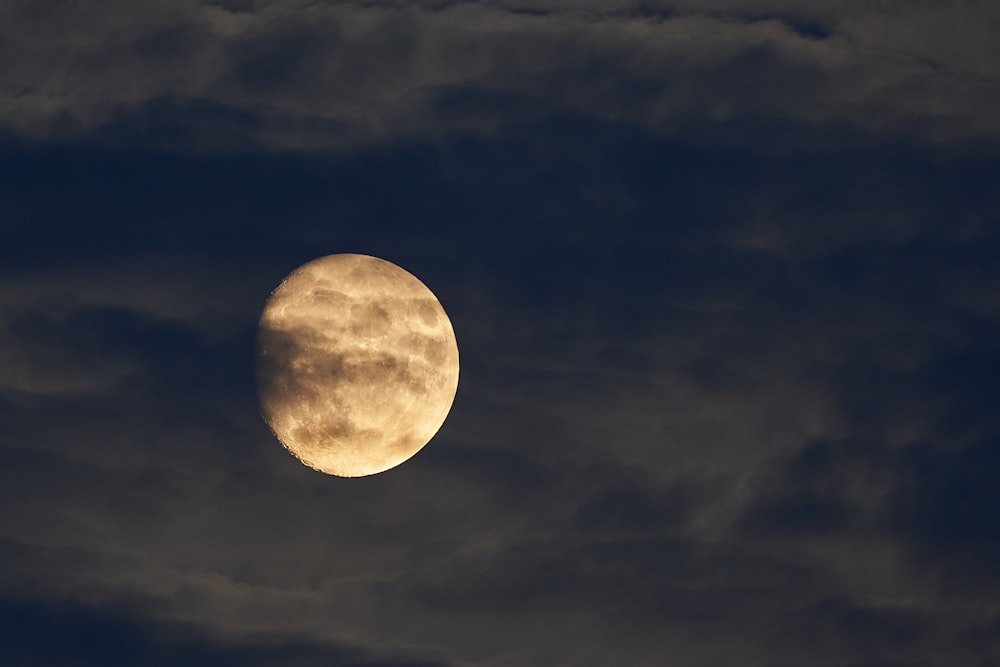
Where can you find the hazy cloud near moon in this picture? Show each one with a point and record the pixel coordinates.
(294, 373)
(311, 75)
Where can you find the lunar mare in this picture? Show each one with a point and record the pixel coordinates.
(357, 364)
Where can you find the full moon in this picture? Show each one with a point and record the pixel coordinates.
(357, 364)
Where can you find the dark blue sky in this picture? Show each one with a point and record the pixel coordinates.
(725, 278)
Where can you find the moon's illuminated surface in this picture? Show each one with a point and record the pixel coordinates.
(357, 364)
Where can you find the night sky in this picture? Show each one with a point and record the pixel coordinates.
(725, 278)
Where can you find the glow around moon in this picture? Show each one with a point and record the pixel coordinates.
(357, 364)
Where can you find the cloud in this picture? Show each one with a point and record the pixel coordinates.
(218, 76)
(60, 632)
(712, 392)
(941, 510)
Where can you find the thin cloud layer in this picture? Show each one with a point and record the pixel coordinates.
(724, 404)
(239, 75)
(725, 284)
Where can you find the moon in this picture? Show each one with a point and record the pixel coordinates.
(357, 364)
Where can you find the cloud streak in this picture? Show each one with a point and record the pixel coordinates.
(221, 76)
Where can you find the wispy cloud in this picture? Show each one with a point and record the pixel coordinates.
(224, 76)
